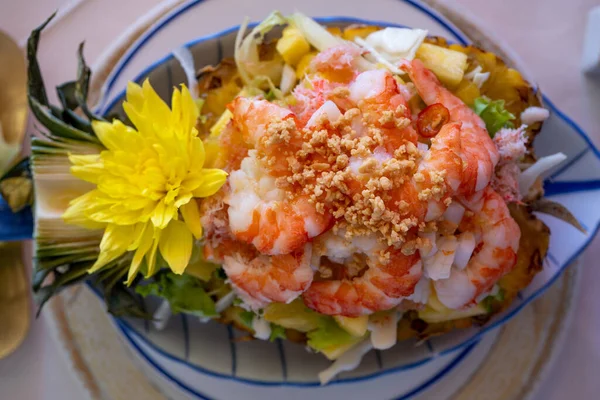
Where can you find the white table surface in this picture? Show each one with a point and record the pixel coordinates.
(547, 34)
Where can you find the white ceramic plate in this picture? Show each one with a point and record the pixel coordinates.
(199, 358)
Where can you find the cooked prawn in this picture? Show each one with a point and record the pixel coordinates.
(381, 287)
(265, 279)
(338, 63)
(495, 255)
(259, 212)
(383, 107)
(479, 153)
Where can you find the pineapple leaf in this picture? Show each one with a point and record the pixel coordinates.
(66, 95)
(75, 274)
(82, 85)
(48, 115)
(57, 126)
(34, 75)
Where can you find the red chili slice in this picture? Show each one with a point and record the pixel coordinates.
(431, 120)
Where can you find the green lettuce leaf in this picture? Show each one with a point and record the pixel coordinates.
(328, 335)
(184, 293)
(277, 332)
(493, 114)
(247, 317)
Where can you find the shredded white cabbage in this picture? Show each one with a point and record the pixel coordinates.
(251, 69)
(184, 56)
(224, 302)
(314, 33)
(395, 44)
(346, 362)
(378, 57)
(531, 174)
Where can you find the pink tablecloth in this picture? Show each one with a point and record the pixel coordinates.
(547, 34)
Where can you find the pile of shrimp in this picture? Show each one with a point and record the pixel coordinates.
(350, 172)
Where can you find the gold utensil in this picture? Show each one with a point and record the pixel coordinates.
(15, 312)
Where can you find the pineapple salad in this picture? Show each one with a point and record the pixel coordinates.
(343, 187)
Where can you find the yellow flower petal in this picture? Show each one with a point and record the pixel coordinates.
(213, 150)
(143, 245)
(155, 107)
(151, 255)
(135, 96)
(176, 246)
(191, 217)
(197, 152)
(162, 215)
(189, 111)
(79, 208)
(115, 135)
(144, 178)
(87, 167)
(114, 243)
(213, 180)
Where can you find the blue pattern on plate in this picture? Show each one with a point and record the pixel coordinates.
(554, 185)
(444, 348)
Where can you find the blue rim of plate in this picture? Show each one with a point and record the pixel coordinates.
(411, 393)
(469, 342)
(122, 63)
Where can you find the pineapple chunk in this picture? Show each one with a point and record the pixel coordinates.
(467, 91)
(435, 311)
(332, 353)
(334, 30)
(361, 31)
(431, 316)
(292, 46)
(354, 326)
(303, 64)
(218, 127)
(292, 316)
(448, 65)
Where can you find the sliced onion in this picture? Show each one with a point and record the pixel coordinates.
(438, 267)
(384, 330)
(262, 329)
(329, 109)
(530, 175)
(464, 250)
(425, 250)
(421, 292)
(454, 213)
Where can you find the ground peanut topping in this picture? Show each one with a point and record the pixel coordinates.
(350, 175)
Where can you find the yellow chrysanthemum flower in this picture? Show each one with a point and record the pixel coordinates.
(146, 182)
